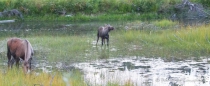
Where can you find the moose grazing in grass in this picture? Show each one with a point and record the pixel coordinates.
(103, 32)
(19, 49)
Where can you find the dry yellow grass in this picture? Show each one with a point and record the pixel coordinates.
(16, 77)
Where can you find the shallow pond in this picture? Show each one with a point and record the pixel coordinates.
(142, 71)
(128, 68)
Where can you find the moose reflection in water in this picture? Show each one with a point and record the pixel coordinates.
(19, 49)
(103, 32)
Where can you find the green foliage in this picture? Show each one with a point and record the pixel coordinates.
(42, 7)
(183, 42)
(18, 78)
(58, 48)
(204, 2)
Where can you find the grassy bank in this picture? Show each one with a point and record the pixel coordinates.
(90, 10)
(94, 17)
(43, 7)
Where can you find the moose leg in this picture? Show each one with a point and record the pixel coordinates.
(8, 56)
(30, 60)
(102, 41)
(97, 38)
(107, 40)
(10, 60)
(17, 62)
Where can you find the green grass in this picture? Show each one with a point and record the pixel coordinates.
(68, 48)
(92, 10)
(86, 10)
(16, 77)
(185, 42)
(94, 17)
(165, 23)
(85, 6)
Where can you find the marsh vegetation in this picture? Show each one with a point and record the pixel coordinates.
(94, 10)
(143, 39)
(59, 46)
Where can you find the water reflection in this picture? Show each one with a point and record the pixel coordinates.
(146, 72)
(48, 28)
(103, 51)
(14, 27)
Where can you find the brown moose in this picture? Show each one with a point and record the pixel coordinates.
(103, 32)
(19, 49)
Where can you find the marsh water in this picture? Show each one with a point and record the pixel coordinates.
(137, 70)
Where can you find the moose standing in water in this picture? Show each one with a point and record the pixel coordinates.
(19, 49)
(103, 32)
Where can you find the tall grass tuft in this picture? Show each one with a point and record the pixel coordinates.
(165, 23)
(15, 77)
(60, 48)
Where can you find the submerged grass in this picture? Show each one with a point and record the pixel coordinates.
(68, 48)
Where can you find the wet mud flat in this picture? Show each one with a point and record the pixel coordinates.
(142, 71)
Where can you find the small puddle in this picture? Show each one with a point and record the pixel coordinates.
(146, 72)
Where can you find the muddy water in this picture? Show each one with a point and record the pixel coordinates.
(142, 71)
